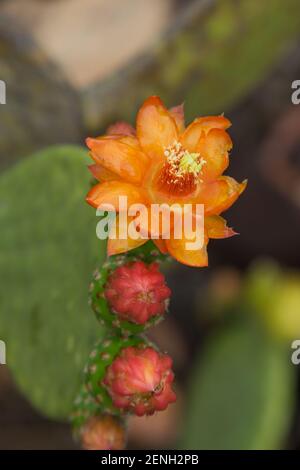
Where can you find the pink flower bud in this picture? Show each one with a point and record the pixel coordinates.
(137, 291)
(103, 433)
(140, 380)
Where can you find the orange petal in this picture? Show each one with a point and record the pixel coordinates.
(177, 112)
(116, 245)
(219, 195)
(133, 142)
(161, 245)
(120, 128)
(125, 139)
(177, 248)
(104, 195)
(101, 173)
(213, 122)
(214, 148)
(118, 157)
(216, 227)
(156, 128)
(193, 132)
(156, 224)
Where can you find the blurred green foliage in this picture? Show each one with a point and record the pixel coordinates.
(274, 295)
(241, 392)
(48, 250)
(210, 62)
(243, 41)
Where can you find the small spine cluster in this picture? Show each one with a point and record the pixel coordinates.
(125, 373)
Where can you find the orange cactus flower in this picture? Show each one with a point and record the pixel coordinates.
(164, 162)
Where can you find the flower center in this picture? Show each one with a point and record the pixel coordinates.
(181, 170)
(145, 296)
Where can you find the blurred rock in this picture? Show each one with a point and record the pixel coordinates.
(41, 107)
(91, 39)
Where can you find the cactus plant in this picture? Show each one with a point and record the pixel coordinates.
(137, 313)
(101, 356)
(241, 392)
(48, 251)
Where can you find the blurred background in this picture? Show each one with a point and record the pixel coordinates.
(71, 68)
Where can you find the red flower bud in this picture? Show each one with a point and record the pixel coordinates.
(139, 380)
(137, 291)
(103, 433)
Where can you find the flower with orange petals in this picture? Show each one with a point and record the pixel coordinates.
(164, 162)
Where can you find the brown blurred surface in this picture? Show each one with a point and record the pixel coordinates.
(89, 43)
(21, 427)
(159, 431)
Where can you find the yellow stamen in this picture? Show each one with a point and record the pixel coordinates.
(191, 163)
(183, 161)
(181, 170)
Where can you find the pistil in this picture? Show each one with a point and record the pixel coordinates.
(181, 170)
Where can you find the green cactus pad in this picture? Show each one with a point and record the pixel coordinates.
(241, 394)
(48, 249)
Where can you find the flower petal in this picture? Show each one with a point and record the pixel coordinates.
(193, 132)
(177, 112)
(104, 195)
(216, 227)
(121, 128)
(117, 244)
(155, 223)
(119, 157)
(177, 248)
(161, 245)
(156, 128)
(213, 122)
(133, 142)
(102, 174)
(214, 148)
(219, 195)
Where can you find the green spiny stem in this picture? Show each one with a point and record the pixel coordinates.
(93, 398)
(85, 407)
(102, 355)
(105, 315)
(148, 253)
